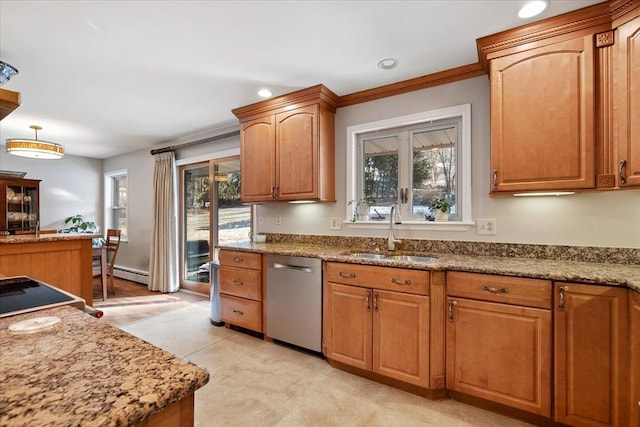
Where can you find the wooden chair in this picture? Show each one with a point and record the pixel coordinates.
(112, 245)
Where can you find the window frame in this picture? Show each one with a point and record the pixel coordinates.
(109, 198)
(463, 167)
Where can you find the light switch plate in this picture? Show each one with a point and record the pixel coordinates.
(487, 226)
(336, 223)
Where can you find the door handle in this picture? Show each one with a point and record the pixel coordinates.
(347, 275)
(291, 267)
(238, 282)
(238, 259)
(495, 290)
(368, 300)
(401, 282)
(239, 312)
(375, 301)
(623, 179)
(561, 291)
(450, 310)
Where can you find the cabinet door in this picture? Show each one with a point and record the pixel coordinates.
(542, 118)
(348, 319)
(634, 356)
(297, 153)
(591, 344)
(401, 336)
(501, 353)
(257, 157)
(626, 86)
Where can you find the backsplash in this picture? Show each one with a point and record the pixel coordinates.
(518, 250)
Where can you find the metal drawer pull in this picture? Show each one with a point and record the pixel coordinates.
(368, 300)
(495, 179)
(348, 275)
(240, 312)
(291, 267)
(238, 282)
(401, 282)
(562, 290)
(623, 179)
(495, 290)
(450, 310)
(375, 301)
(236, 259)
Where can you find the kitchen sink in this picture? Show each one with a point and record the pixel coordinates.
(407, 258)
(367, 255)
(412, 258)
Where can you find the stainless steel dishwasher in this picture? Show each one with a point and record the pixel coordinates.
(294, 300)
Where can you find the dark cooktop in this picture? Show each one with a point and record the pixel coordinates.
(20, 294)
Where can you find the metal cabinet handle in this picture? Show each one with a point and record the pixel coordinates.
(277, 192)
(273, 192)
(495, 179)
(347, 275)
(238, 282)
(375, 301)
(401, 282)
(450, 310)
(236, 259)
(562, 290)
(623, 179)
(495, 290)
(240, 312)
(368, 300)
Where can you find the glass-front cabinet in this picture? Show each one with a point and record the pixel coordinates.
(20, 213)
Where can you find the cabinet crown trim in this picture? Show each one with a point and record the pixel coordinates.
(318, 93)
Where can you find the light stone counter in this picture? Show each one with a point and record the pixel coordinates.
(41, 238)
(85, 372)
(627, 275)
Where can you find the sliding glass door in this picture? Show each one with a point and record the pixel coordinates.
(211, 214)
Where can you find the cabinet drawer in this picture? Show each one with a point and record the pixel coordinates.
(241, 282)
(508, 290)
(241, 312)
(241, 259)
(387, 278)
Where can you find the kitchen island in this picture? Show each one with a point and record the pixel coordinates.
(89, 373)
(62, 260)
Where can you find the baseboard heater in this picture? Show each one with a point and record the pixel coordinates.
(131, 274)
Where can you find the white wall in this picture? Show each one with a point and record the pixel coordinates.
(606, 219)
(134, 254)
(70, 186)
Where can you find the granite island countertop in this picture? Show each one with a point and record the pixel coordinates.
(42, 238)
(612, 274)
(86, 372)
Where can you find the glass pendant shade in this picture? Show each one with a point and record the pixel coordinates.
(34, 149)
(6, 72)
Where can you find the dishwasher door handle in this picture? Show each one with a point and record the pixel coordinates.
(292, 267)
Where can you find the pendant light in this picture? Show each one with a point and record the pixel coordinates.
(33, 148)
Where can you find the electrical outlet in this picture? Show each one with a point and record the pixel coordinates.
(278, 220)
(336, 223)
(487, 226)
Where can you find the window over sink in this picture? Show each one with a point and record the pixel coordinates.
(411, 161)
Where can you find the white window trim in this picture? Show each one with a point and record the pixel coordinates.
(352, 154)
(108, 199)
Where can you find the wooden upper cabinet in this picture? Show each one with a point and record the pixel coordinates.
(287, 147)
(626, 102)
(297, 145)
(542, 118)
(257, 157)
(9, 101)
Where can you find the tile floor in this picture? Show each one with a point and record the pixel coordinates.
(258, 383)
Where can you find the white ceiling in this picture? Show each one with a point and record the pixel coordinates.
(110, 77)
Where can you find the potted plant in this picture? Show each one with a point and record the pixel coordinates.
(441, 209)
(77, 224)
(360, 209)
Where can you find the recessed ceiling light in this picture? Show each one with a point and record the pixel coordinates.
(388, 64)
(532, 8)
(264, 93)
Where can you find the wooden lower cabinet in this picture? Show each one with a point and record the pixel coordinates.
(634, 356)
(241, 289)
(591, 355)
(501, 353)
(381, 331)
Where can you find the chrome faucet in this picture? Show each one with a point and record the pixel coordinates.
(394, 218)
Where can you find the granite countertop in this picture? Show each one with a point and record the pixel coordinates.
(40, 238)
(86, 372)
(627, 275)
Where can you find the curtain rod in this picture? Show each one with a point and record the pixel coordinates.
(198, 142)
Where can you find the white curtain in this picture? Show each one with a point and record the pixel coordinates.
(163, 258)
